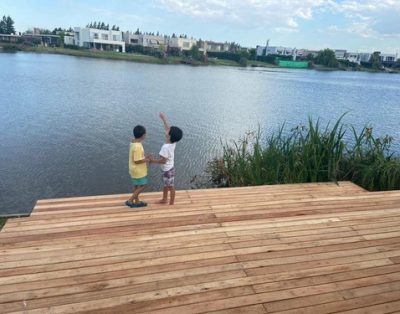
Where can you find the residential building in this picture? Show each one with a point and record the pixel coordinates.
(145, 40)
(278, 50)
(364, 56)
(5, 38)
(99, 39)
(388, 57)
(304, 53)
(353, 57)
(212, 46)
(69, 38)
(340, 54)
(43, 39)
(182, 43)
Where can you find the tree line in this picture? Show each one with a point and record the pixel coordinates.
(7, 25)
(102, 25)
(327, 58)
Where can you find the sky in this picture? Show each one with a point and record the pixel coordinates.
(357, 26)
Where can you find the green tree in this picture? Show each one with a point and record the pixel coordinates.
(7, 25)
(310, 57)
(375, 60)
(327, 58)
(137, 32)
(10, 25)
(195, 52)
(252, 54)
(244, 56)
(3, 25)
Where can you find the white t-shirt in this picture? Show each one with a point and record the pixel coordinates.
(167, 151)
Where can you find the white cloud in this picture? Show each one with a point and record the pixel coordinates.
(282, 15)
(370, 18)
(365, 18)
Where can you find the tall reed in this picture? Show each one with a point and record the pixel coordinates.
(309, 153)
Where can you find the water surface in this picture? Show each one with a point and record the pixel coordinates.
(66, 122)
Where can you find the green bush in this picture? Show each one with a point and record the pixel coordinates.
(308, 154)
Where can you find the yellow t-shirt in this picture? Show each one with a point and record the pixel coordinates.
(136, 152)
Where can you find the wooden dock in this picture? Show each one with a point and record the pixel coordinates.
(300, 248)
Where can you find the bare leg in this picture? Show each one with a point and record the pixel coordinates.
(138, 190)
(171, 195)
(130, 200)
(165, 196)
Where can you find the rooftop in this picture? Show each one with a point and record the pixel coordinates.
(299, 248)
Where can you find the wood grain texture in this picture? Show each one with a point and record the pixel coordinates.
(296, 248)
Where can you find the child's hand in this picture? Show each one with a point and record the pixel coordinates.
(149, 158)
(162, 116)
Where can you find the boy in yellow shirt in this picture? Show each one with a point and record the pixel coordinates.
(137, 167)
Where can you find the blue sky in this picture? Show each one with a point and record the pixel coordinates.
(364, 25)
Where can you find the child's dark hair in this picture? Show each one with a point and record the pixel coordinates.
(139, 131)
(175, 134)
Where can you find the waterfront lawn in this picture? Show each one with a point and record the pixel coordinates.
(135, 57)
(309, 154)
(101, 54)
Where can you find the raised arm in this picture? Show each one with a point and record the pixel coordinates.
(165, 122)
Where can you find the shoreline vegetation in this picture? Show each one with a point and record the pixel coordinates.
(310, 153)
(144, 58)
(2, 222)
(134, 57)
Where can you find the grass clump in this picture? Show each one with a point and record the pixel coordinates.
(309, 153)
(2, 222)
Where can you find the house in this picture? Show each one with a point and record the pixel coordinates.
(388, 57)
(211, 46)
(69, 38)
(100, 39)
(364, 56)
(340, 54)
(145, 40)
(304, 53)
(43, 39)
(181, 43)
(6, 38)
(278, 50)
(353, 57)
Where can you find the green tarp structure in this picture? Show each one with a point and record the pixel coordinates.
(293, 64)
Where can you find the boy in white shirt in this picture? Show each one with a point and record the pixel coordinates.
(173, 135)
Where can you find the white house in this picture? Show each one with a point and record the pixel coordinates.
(340, 54)
(388, 57)
(278, 50)
(99, 39)
(69, 38)
(182, 43)
(216, 47)
(353, 57)
(145, 40)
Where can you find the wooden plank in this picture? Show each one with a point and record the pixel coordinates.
(313, 304)
(173, 301)
(302, 247)
(24, 282)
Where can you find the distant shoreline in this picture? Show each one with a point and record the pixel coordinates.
(141, 58)
(133, 57)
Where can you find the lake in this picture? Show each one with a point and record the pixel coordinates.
(66, 122)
